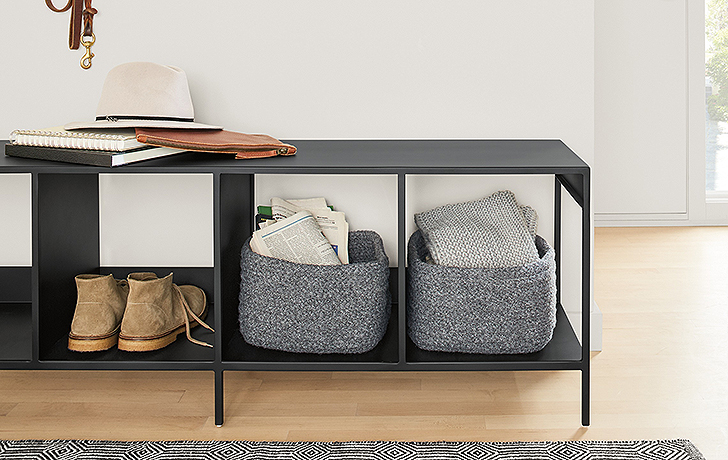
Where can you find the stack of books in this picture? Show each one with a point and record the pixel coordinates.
(113, 147)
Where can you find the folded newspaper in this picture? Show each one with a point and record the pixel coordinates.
(296, 239)
(331, 224)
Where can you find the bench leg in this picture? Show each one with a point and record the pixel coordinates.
(219, 406)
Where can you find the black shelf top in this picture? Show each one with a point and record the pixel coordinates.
(499, 156)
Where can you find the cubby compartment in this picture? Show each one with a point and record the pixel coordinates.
(345, 192)
(425, 192)
(179, 350)
(68, 245)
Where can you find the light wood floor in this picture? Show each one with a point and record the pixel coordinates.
(663, 374)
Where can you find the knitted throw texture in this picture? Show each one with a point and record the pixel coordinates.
(490, 233)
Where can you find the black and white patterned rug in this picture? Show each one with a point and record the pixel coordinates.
(677, 449)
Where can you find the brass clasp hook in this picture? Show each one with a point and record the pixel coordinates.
(86, 59)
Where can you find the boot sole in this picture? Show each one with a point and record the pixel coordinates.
(84, 344)
(151, 344)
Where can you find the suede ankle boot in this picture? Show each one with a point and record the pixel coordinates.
(157, 311)
(99, 310)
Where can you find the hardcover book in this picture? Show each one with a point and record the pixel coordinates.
(105, 158)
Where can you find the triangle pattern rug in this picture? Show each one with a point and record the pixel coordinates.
(677, 449)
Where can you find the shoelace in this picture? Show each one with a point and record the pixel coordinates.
(189, 311)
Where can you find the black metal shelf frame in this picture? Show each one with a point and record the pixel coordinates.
(66, 242)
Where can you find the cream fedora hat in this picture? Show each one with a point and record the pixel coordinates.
(144, 95)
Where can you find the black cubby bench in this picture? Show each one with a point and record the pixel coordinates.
(37, 303)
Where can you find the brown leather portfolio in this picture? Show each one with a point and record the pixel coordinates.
(244, 146)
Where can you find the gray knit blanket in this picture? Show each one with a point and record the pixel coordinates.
(492, 232)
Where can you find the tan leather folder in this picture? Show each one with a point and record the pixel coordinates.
(244, 146)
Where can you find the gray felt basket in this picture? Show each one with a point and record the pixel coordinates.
(317, 308)
(479, 310)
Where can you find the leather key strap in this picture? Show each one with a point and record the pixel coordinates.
(50, 5)
(88, 18)
(77, 12)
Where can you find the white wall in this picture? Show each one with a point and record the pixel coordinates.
(163, 222)
(318, 69)
(15, 219)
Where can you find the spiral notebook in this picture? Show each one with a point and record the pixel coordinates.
(113, 140)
